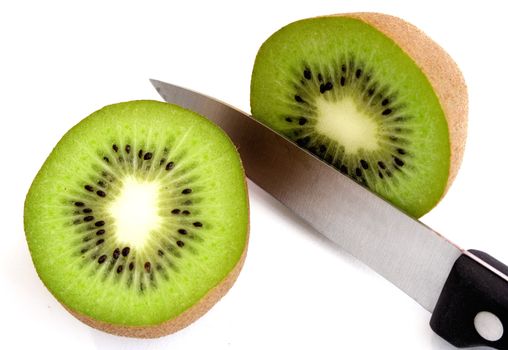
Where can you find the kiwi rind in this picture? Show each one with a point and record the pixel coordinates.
(39, 203)
(440, 73)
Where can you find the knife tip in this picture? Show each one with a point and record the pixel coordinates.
(156, 84)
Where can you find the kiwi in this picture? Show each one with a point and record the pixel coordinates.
(138, 220)
(371, 95)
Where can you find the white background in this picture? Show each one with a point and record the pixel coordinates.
(60, 61)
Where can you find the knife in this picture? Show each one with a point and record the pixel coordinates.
(466, 291)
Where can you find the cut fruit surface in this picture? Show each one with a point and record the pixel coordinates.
(348, 89)
(138, 220)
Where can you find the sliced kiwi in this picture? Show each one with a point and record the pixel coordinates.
(138, 220)
(371, 95)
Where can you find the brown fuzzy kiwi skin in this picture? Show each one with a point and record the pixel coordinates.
(177, 323)
(442, 72)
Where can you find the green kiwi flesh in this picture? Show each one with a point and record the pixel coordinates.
(139, 211)
(346, 92)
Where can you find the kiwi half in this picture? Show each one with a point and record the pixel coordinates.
(138, 220)
(371, 95)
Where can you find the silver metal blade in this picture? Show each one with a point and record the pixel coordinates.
(407, 253)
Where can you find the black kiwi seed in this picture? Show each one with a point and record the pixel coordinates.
(307, 74)
(148, 266)
(170, 165)
(79, 204)
(101, 193)
(119, 269)
(100, 232)
(116, 253)
(187, 191)
(147, 156)
(106, 159)
(89, 188)
(180, 244)
(358, 73)
(125, 251)
(343, 68)
(387, 111)
(320, 77)
(131, 266)
(182, 231)
(358, 172)
(88, 218)
(198, 224)
(364, 164)
(87, 210)
(289, 120)
(115, 148)
(102, 259)
(298, 99)
(186, 212)
(128, 148)
(385, 102)
(381, 165)
(175, 211)
(401, 151)
(398, 161)
(342, 81)
(99, 242)
(101, 183)
(140, 153)
(99, 223)
(160, 252)
(302, 121)
(302, 142)
(380, 175)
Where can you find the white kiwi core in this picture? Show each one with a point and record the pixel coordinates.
(341, 120)
(136, 211)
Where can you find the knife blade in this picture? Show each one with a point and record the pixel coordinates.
(460, 288)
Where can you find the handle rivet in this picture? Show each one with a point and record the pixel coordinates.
(488, 326)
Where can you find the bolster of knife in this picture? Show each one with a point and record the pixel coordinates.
(472, 309)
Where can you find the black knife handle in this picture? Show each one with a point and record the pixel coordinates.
(472, 309)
